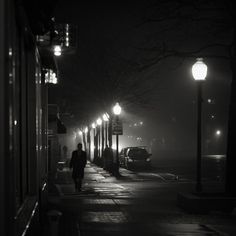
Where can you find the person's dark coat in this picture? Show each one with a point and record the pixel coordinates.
(78, 163)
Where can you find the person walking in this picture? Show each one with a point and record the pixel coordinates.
(65, 149)
(107, 158)
(78, 162)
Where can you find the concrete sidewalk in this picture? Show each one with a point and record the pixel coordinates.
(129, 206)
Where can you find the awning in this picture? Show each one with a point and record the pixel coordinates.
(40, 13)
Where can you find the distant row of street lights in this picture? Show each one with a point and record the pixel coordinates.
(96, 126)
(105, 117)
(137, 124)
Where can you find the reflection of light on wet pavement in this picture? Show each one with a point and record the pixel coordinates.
(93, 177)
(137, 203)
(98, 201)
(217, 157)
(104, 217)
(162, 176)
(123, 201)
(186, 229)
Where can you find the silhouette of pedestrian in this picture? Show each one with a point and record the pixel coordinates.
(107, 158)
(65, 149)
(78, 162)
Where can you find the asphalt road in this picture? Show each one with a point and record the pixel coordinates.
(140, 202)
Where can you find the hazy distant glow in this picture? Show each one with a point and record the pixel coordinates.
(93, 125)
(80, 133)
(51, 77)
(54, 78)
(218, 132)
(199, 70)
(117, 109)
(139, 139)
(86, 130)
(114, 147)
(99, 121)
(10, 52)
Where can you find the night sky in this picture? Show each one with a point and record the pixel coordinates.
(119, 57)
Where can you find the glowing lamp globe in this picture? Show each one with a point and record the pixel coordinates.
(99, 121)
(117, 109)
(57, 50)
(199, 70)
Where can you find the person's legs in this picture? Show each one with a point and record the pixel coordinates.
(79, 184)
(75, 183)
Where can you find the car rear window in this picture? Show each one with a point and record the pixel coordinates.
(138, 152)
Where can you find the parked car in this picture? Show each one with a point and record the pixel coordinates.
(135, 157)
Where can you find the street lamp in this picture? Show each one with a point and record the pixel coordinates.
(99, 121)
(57, 50)
(117, 111)
(199, 71)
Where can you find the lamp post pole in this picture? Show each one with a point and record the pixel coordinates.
(109, 133)
(199, 137)
(99, 123)
(103, 138)
(117, 153)
(94, 140)
(199, 71)
(106, 120)
(106, 134)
